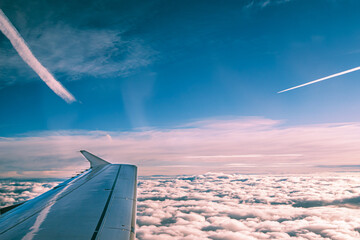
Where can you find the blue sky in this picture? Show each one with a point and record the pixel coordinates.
(139, 65)
(134, 65)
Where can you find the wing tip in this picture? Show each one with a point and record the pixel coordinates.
(94, 160)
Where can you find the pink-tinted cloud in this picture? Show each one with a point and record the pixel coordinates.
(252, 145)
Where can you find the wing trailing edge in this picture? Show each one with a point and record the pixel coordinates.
(94, 160)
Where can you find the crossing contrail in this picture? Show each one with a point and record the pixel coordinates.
(25, 53)
(322, 79)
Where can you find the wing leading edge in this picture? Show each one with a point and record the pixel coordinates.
(100, 203)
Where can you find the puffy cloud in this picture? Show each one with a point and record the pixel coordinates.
(235, 206)
(248, 145)
(16, 191)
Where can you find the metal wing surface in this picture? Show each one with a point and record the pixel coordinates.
(100, 203)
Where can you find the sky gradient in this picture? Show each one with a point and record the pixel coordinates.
(157, 83)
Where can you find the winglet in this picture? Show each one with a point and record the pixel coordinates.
(94, 160)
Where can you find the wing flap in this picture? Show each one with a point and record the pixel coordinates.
(121, 215)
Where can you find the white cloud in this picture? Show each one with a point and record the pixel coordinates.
(15, 191)
(236, 206)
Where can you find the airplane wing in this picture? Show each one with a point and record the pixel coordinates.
(100, 203)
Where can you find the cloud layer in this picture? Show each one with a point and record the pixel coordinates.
(235, 206)
(17, 191)
(248, 145)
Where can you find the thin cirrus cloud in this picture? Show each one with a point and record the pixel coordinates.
(25, 53)
(322, 79)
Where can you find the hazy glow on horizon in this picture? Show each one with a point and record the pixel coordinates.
(25, 53)
(322, 79)
(248, 156)
(251, 145)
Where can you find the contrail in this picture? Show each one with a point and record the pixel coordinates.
(25, 53)
(322, 79)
